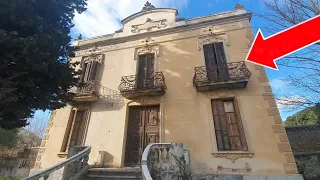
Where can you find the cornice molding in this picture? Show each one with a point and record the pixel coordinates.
(178, 29)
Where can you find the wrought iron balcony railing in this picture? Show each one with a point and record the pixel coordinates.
(88, 92)
(152, 84)
(232, 75)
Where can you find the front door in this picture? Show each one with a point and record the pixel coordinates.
(145, 71)
(143, 129)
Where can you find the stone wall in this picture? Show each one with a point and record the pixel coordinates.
(245, 177)
(305, 144)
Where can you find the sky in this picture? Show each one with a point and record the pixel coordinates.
(104, 17)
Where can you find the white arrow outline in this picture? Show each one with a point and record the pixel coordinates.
(259, 30)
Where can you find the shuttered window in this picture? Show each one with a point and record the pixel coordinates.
(89, 71)
(76, 129)
(216, 64)
(228, 125)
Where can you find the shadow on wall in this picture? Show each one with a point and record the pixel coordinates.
(111, 98)
(105, 160)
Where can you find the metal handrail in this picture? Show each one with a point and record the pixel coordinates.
(45, 174)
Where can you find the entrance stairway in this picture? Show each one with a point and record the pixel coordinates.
(114, 173)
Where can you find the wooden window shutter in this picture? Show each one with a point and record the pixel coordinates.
(221, 57)
(240, 125)
(209, 55)
(210, 60)
(83, 69)
(86, 72)
(221, 62)
(220, 125)
(93, 70)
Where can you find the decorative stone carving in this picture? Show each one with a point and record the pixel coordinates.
(290, 168)
(284, 147)
(277, 119)
(94, 50)
(283, 138)
(147, 41)
(211, 39)
(149, 25)
(278, 129)
(233, 156)
(273, 111)
(212, 29)
(97, 57)
(148, 6)
(272, 103)
(147, 49)
(246, 169)
(221, 94)
(238, 6)
(289, 158)
(267, 96)
(267, 89)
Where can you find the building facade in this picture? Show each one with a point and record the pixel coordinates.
(162, 78)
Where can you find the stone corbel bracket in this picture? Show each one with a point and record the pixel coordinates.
(233, 156)
(212, 38)
(146, 50)
(95, 57)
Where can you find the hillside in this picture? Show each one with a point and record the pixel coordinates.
(307, 116)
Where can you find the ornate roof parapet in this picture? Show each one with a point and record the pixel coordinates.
(148, 6)
(239, 9)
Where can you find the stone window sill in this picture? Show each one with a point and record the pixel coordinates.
(233, 155)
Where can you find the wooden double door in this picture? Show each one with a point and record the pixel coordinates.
(143, 129)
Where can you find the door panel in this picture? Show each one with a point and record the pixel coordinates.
(143, 128)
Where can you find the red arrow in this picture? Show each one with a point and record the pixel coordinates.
(265, 51)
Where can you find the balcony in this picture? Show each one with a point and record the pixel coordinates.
(88, 93)
(233, 75)
(135, 86)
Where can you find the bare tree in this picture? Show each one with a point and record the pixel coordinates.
(305, 64)
(38, 124)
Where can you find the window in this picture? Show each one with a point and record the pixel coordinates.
(228, 126)
(76, 129)
(145, 71)
(89, 70)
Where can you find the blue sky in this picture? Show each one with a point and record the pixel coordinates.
(104, 16)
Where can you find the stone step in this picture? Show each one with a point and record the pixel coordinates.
(114, 173)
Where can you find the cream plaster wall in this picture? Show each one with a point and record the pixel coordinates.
(54, 143)
(187, 113)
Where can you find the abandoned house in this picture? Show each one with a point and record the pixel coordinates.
(165, 86)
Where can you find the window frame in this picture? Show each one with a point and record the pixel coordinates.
(240, 126)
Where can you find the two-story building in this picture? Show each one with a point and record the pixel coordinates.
(162, 78)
